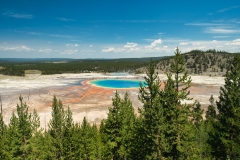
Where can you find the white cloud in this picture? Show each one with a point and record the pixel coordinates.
(168, 46)
(18, 49)
(204, 24)
(233, 43)
(130, 45)
(72, 45)
(154, 43)
(45, 50)
(134, 49)
(91, 45)
(221, 30)
(88, 51)
(220, 36)
(36, 33)
(69, 51)
(148, 40)
(226, 9)
(183, 43)
(18, 15)
(59, 36)
(51, 35)
(108, 50)
(24, 48)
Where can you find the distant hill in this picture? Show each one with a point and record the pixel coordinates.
(211, 62)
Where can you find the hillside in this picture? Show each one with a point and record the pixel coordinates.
(211, 62)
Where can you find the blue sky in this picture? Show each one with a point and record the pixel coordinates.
(116, 28)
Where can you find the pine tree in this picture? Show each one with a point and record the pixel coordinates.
(201, 134)
(117, 129)
(68, 140)
(211, 114)
(56, 127)
(182, 79)
(88, 145)
(179, 128)
(209, 122)
(20, 130)
(40, 146)
(197, 114)
(227, 126)
(150, 123)
(97, 141)
(128, 120)
(4, 154)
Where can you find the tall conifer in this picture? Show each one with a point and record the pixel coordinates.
(56, 127)
(151, 122)
(227, 126)
(117, 129)
(179, 128)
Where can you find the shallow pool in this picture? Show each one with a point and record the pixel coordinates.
(116, 83)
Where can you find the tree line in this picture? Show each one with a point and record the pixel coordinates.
(75, 66)
(165, 128)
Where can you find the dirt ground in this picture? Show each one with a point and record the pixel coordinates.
(83, 98)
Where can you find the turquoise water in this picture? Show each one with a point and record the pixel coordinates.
(116, 83)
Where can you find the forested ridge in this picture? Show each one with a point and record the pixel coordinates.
(211, 62)
(165, 128)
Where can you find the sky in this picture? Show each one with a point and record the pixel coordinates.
(82, 29)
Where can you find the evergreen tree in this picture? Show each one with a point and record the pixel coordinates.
(68, 134)
(150, 126)
(20, 131)
(56, 127)
(201, 134)
(182, 79)
(209, 122)
(197, 114)
(40, 146)
(4, 154)
(118, 127)
(88, 149)
(227, 125)
(179, 128)
(97, 141)
(211, 114)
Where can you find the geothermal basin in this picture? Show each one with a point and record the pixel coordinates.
(85, 98)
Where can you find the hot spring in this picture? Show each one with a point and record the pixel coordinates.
(116, 83)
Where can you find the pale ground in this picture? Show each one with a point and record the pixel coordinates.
(82, 98)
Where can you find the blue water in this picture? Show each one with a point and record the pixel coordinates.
(116, 83)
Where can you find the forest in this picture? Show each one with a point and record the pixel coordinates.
(17, 68)
(164, 128)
